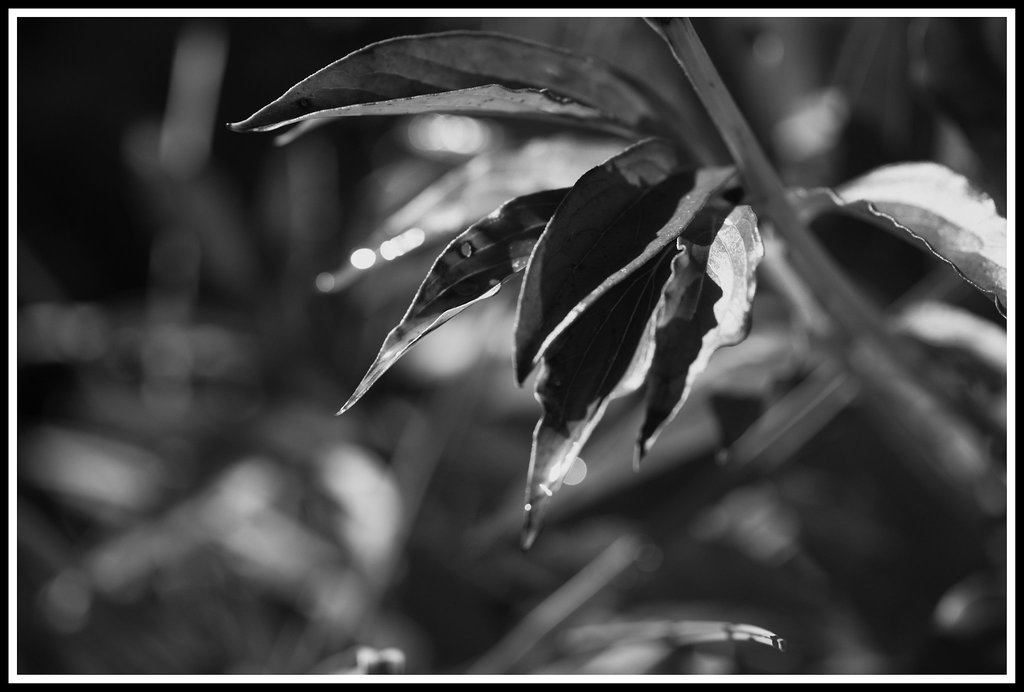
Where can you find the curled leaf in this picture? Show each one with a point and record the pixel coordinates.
(617, 217)
(703, 308)
(580, 371)
(472, 267)
(477, 73)
(956, 222)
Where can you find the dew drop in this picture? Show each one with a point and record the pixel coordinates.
(363, 258)
(325, 282)
(389, 250)
(576, 473)
(556, 97)
(466, 249)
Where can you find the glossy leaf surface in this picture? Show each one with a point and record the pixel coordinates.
(472, 267)
(580, 371)
(705, 306)
(475, 73)
(956, 222)
(617, 217)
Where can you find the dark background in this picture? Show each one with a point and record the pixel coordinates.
(188, 502)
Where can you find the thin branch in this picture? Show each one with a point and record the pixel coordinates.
(844, 303)
(557, 607)
(940, 443)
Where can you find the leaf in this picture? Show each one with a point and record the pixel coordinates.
(948, 326)
(579, 373)
(770, 354)
(685, 633)
(956, 222)
(476, 73)
(702, 309)
(636, 373)
(480, 185)
(472, 190)
(472, 267)
(616, 218)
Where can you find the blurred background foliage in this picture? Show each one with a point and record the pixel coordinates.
(188, 503)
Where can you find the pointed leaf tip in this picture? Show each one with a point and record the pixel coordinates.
(471, 268)
(476, 73)
(639, 452)
(581, 372)
(531, 528)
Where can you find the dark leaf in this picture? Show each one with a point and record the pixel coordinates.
(475, 73)
(702, 309)
(768, 355)
(616, 218)
(472, 267)
(959, 224)
(580, 372)
(484, 101)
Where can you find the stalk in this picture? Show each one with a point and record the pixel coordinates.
(942, 445)
(847, 307)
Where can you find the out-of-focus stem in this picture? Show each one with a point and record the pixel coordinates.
(557, 607)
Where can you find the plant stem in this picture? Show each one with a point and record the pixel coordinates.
(557, 607)
(941, 443)
(847, 307)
